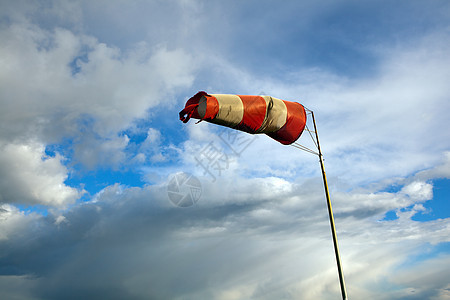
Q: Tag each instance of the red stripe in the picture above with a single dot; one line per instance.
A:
(212, 108)
(254, 113)
(295, 123)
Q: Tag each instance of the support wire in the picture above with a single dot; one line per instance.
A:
(301, 147)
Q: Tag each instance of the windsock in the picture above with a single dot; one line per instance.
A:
(282, 120)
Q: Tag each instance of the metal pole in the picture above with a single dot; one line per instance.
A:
(330, 214)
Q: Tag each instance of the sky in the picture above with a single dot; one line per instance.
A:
(105, 194)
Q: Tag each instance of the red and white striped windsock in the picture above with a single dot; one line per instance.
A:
(282, 120)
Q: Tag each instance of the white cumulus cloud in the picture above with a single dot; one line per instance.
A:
(29, 176)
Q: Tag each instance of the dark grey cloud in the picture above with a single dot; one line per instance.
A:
(136, 234)
(132, 242)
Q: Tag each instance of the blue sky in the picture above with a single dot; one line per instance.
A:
(90, 138)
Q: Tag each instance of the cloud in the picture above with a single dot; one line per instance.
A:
(59, 79)
(94, 152)
(70, 87)
(425, 280)
(441, 170)
(418, 191)
(235, 243)
(151, 146)
(29, 176)
(14, 221)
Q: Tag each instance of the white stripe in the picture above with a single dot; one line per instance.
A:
(231, 110)
(276, 115)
